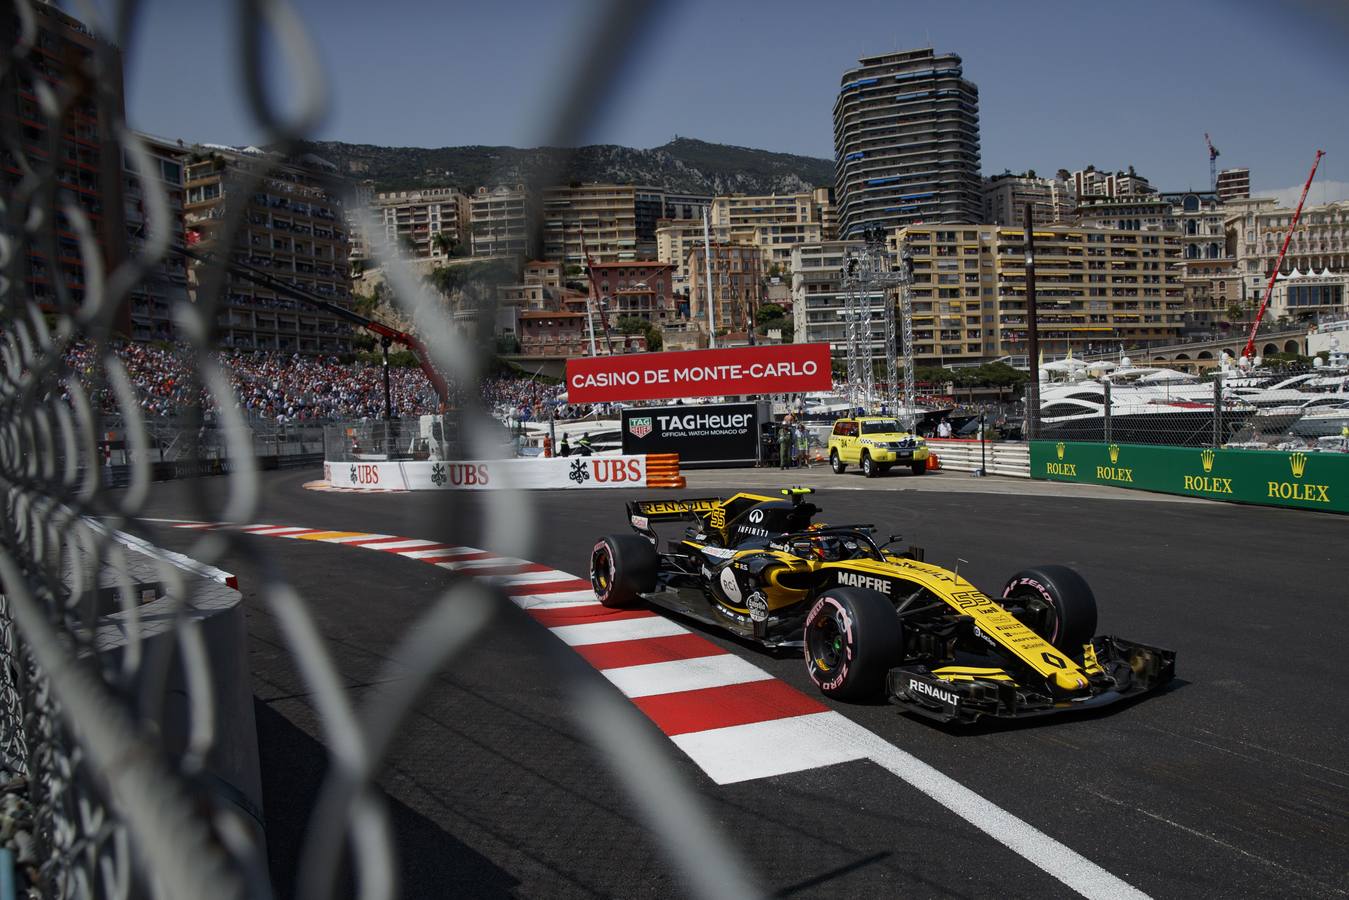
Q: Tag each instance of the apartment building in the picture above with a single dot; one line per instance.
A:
(1199, 217)
(1095, 289)
(774, 223)
(643, 289)
(685, 206)
(1212, 287)
(1123, 212)
(293, 228)
(674, 240)
(1006, 197)
(501, 221)
(541, 271)
(1306, 295)
(1090, 182)
(737, 286)
(614, 222)
(1234, 184)
(89, 165)
(164, 287)
(906, 143)
(819, 298)
(1256, 228)
(427, 223)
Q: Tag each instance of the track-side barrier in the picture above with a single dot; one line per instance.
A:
(997, 458)
(662, 471)
(1266, 477)
(647, 470)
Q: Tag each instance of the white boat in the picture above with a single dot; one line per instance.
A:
(1138, 415)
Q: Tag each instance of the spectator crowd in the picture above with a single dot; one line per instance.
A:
(283, 387)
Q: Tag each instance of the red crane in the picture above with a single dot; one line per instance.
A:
(1212, 164)
(1249, 351)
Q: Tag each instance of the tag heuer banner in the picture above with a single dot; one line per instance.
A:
(774, 369)
(699, 433)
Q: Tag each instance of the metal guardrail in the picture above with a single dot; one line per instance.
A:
(1010, 458)
(106, 808)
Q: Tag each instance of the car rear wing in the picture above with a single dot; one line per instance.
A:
(642, 513)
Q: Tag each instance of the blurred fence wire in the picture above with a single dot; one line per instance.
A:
(95, 797)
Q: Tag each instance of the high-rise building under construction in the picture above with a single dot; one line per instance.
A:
(906, 143)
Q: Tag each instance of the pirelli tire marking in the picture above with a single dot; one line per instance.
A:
(1044, 595)
(830, 682)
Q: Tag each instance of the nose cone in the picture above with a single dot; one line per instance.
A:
(1070, 681)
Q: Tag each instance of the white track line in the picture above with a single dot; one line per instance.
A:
(684, 675)
(1024, 839)
(620, 630)
(280, 532)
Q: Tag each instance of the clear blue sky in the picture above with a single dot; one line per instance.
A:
(1062, 84)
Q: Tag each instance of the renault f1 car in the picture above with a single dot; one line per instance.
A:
(870, 618)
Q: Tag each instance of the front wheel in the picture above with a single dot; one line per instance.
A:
(869, 468)
(919, 468)
(622, 568)
(852, 638)
(835, 463)
(1056, 603)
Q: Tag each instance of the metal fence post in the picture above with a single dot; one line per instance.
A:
(1217, 410)
(1107, 412)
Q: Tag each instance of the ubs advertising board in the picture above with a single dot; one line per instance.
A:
(710, 433)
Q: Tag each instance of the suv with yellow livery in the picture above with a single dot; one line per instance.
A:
(875, 443)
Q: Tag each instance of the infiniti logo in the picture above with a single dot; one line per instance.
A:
(756, 515)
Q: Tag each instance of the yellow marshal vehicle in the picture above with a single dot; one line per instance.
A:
(875, 443)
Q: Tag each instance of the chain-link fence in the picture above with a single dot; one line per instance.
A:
(1286, 406)
(99, 797)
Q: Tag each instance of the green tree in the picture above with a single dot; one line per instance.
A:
(769, 312)
(631, 325)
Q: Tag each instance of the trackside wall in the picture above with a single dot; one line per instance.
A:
(1315, 480)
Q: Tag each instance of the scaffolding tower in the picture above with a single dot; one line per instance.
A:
(866, 271)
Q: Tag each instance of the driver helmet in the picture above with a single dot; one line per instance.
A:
(824, 547)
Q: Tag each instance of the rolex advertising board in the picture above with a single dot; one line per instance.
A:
(699, 433)
(1308, 480)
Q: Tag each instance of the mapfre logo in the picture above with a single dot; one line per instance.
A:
(639, 426)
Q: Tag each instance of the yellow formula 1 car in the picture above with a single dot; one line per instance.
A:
(870, 618)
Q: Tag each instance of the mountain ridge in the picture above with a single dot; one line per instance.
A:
(683, 165)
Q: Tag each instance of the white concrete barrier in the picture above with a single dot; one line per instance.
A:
(491, 474)
(1000, 458)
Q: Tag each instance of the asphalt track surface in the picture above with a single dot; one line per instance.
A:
(1232, 783)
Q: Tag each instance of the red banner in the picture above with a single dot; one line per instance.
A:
(772, 369)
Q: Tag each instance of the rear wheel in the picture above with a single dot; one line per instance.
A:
(919, 468)
(1056, 603)
(852, 639)
(622, 568)
(835, 463)
(869, 468)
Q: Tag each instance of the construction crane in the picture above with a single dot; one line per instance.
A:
(1212, 164)
(1249, 350)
